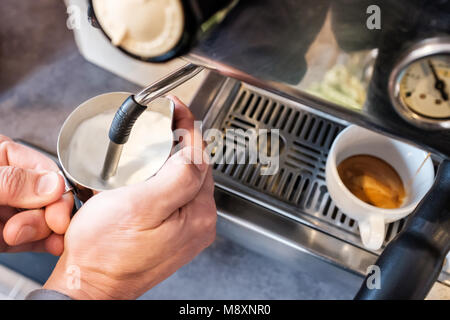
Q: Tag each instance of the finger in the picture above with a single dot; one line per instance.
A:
(15, 154)
(182, 117)
(208, 186)
(201, 212)
(57, 214)
(38, 246)
(54, 244)
(4, 138)
(186, 131)
(176, 184)
(205, 197)
(26, 227)
(180, 180)
(25, 188)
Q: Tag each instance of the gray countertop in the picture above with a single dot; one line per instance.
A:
(42, 79)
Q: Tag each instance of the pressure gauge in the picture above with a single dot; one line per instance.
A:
(419, 85)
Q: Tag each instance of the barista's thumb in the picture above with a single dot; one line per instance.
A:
(175, 185)
(29, 189)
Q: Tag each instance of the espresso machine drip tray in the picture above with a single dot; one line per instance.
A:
(298, 190)
(292, 208)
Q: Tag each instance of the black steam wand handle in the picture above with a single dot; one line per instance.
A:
(119, 132)
(124, 120)
(133, 107)
(411, 263)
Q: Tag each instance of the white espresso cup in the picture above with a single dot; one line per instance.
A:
(404, 158)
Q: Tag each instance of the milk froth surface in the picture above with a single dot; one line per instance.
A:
(143, 155)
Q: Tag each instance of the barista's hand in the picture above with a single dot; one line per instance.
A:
(124, 241)
(29, 180)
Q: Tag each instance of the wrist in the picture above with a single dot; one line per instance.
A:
(79, 283)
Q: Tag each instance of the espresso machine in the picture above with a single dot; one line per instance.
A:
(309, 69)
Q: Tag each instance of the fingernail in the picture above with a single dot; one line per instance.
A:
(47, 183)
(25, 234)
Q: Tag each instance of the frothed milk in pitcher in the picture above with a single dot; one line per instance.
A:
(143, 155)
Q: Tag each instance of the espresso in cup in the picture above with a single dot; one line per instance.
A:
(373, 181)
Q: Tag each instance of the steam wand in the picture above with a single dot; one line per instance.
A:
(132, 108)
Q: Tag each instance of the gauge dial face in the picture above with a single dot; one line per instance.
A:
(425, 87)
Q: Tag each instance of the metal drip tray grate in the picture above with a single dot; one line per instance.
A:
(298, 190)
